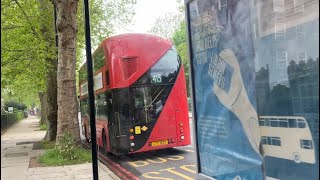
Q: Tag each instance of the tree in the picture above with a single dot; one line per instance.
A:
(28, 53)
(23, 50)
(66, 74)
(180, 41)
(49, 97)
(165, 25)
(172, 26)
(103, 22)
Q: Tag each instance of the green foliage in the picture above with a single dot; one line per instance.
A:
(43, 127)
(180, 40)
(52, 157)
(9, 119)
(15, 105)
(165, 25)
(105, 18)
(67, 147)
(24, 48)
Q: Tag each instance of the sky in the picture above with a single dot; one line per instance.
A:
(147, 12)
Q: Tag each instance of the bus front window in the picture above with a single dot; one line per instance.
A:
(301, 124)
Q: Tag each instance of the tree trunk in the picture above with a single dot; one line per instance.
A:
(43, 116)
(51, 101)
(66, 75)
(51, 107)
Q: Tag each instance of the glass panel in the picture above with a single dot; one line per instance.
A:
(276, 141)
(148, 102)
(261, 122)
(165, 71)
(264, 140)
(83, 73)
(269, 140)
(267, 122)
(306, 144)
(292, 123)
(274, 123)
(84, 107)
(283, 123)
(98, 59)
(301, 124)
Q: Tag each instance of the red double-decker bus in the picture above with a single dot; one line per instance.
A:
(140, 95)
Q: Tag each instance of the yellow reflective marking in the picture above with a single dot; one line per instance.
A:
(138, 163)
(147, 175)
(144, 128)
(177, 173)
(138, 129)
(175, 158)
(162, 160)
(187, 169)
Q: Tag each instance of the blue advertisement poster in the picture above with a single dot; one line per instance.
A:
(228, 134)
(255, 86)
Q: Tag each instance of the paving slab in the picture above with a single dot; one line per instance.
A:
(16, 151)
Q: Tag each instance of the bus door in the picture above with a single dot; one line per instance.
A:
(119, 122)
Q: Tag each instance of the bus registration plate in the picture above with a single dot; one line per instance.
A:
(159, 143)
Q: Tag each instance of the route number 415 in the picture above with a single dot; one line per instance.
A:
(156, 78)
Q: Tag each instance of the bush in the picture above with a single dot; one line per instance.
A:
(10, 118)
(66, 153)
(15, 105)
(67, 147)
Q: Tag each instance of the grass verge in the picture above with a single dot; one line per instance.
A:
(52, 157)
(48, 144)
(43, 127)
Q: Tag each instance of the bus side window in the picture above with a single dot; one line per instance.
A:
(306, 144)
(264, 140)
(269, 140)
(267, 123)
(275, 141)
(301, 124)
(261, 122)
(283, 123)
(292, 123)
(274, 122)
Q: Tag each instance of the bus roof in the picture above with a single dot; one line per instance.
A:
(129, 56)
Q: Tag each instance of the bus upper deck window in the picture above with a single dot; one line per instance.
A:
(274, 122)
(261, 122)
(292, 123)
(301, 124)
(283, 123)
(267, 122)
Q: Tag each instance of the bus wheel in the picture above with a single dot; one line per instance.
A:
(296, 157)
(104, 142)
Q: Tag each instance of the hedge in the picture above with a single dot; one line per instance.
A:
(10, 118)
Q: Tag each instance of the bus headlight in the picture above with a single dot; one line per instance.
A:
(132, 144)
(182, 137)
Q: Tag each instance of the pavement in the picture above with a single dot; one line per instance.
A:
(16, 151)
